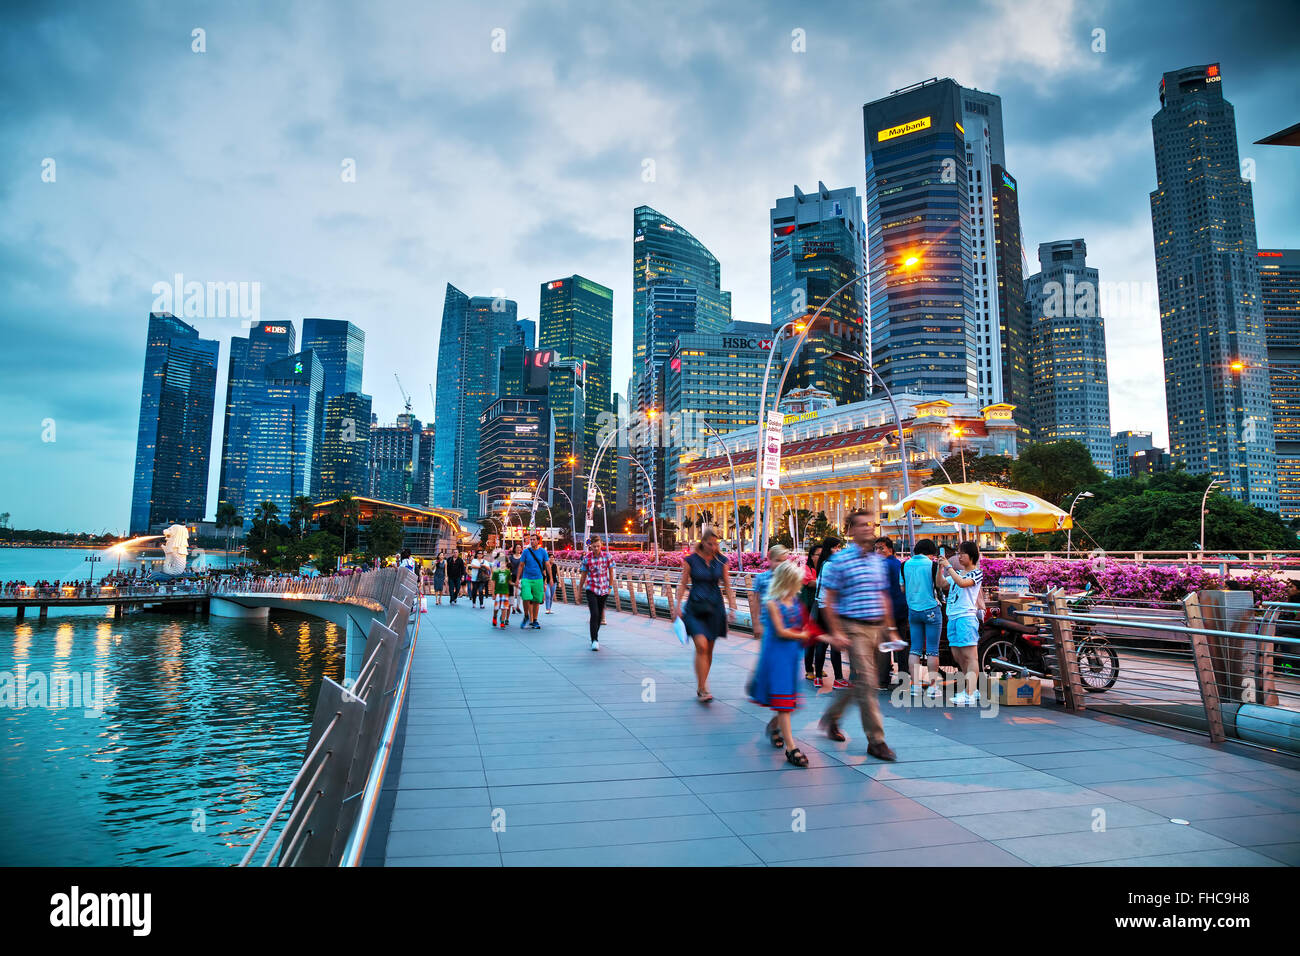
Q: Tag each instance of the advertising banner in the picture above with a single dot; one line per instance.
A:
(771, 470)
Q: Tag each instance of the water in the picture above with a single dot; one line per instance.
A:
(203, 725)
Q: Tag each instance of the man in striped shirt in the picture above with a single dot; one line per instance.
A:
(857, 609)
(595, 575)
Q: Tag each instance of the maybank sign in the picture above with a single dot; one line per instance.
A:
(896, 131)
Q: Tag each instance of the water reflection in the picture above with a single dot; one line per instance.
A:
(204, 726)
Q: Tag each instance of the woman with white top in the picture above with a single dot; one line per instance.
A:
(963, 586)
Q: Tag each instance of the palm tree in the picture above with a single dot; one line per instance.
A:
(745, 516)
(346, 512)
(228, 518)
(4, 519)
(266, 513)
(300, 514)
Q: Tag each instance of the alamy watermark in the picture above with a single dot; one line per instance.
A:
(209, 300)
(60, 691)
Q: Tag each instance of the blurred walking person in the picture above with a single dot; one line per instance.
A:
(858, 615)
(705, 574)
(775, 683)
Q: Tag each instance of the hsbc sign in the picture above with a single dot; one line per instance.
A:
(744, 342)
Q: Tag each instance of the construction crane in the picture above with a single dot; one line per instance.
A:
(434, 402)
(405, 397)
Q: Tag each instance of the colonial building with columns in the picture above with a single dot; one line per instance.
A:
(840, 459)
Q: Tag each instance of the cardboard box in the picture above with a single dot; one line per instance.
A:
(1017, 691)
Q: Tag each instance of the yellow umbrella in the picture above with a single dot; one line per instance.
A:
(974, 503)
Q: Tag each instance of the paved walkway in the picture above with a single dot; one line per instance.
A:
(606, 758)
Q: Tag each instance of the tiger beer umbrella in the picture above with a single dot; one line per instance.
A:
(974, 502)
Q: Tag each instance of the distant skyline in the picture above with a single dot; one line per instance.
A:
(501, 170)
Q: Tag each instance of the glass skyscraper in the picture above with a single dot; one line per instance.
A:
(473, 332)
(1013, 320)
(266, 342)
(1211, 316)
(576, 320)
(819, 243)
(340, 348)
(1279, 284)
(174, 437)
(395, 459)
(285, 424)
(346, 454)
(1068, 351)
(663, 249)
(918, 204)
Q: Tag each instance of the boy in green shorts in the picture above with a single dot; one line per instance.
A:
(501, 592)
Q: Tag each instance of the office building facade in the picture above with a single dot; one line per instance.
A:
(395, 459)
(1013, 319)
(1124, 445)
(287, 421)
(345, 456)
(265, 343)
(984, 259)
(1279, 284)
(174, 435)
(918, 204)
(473, 331)
(1211, 315)
(819, 245)
(512, 457)
(1068, 351)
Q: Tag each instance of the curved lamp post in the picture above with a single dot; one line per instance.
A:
(735, 500)
(1204, 498)
(1069, 534)
(591, 480)
(760, 513)
(650, 489)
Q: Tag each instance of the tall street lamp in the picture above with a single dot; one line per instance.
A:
(957, 432)
(650, 488)
(803, 326)
(1208, 488)
(735, 500)
(591, 480)
(1069, 534)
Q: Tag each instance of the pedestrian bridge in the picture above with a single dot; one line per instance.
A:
(525, 748)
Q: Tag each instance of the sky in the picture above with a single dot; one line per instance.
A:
(352, 159)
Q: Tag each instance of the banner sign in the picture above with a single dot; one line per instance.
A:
(771, 469)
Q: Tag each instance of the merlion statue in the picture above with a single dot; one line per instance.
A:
(175, 549)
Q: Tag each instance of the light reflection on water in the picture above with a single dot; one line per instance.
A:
(204, 725)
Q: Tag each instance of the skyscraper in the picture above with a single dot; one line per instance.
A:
(576, 320)
(395, 459)
(177, 400)
(473, 332)
(980, 187)
(1013, 320)
(340, 348)
(266, 342)
(1211, 316)
(819, 244)
(1279, 283)
(1068, 351)
(345, 458)
(286, 422)
(663, 249)
(918, 204)
(527, 333)
(1124, 445)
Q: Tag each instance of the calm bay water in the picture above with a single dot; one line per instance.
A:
(202, 727)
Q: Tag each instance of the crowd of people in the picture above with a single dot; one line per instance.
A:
(853, 600)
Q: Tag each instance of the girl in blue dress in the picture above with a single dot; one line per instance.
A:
(776, 678)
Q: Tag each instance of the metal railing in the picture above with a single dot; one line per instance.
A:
(334, 795)
(1220, 668)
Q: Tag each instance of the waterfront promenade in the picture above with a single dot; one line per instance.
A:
(526, 748)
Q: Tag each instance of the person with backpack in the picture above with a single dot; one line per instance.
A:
(924, 617)
(530, 576)
(455, 574)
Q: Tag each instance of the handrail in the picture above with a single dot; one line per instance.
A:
(1145, 625)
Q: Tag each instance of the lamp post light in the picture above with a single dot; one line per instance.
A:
(803, 325)
(650, 488)
(957, 432)
(573, 530)
(1069, 534)
(93, 559)
(591, 479)
(735, 500)
(604, 511)
(1205, 497)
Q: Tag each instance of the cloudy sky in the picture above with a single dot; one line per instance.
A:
(501, 168)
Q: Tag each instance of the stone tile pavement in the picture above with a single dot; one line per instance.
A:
(525, 748)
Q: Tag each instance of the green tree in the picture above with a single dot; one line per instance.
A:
(345, 514)
(228, 519)
(384, 535)
(320, 548)
(990, 469)
(745, 517)
(818, 527)
(300, 515)
(1055, 470)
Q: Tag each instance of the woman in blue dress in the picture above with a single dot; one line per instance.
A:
(705, 574)
(775, 682)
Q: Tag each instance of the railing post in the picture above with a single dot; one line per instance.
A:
(650, 597)
(1067, 659)
(1205, 677)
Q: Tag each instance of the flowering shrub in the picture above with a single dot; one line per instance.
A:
(1150, 582)
(668, 560)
